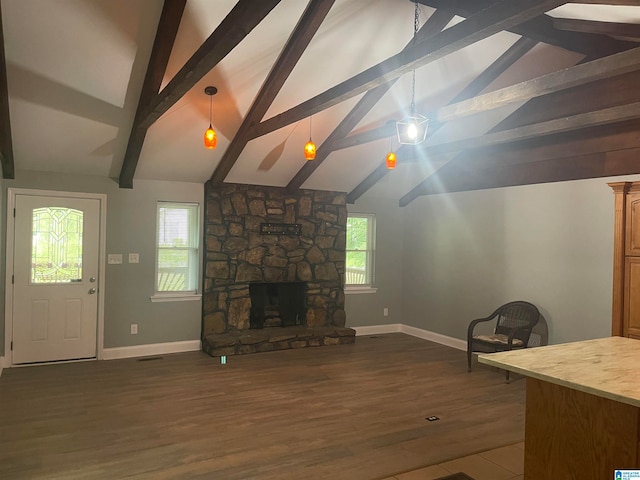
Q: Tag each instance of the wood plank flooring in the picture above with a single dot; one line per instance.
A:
(340, 412)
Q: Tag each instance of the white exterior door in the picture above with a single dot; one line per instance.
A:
(55, 285)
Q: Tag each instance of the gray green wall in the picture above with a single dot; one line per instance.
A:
(131, 228)
(467, 253)
(440, 261)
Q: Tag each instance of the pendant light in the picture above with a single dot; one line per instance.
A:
(310, 147)
(210, 138)
(412, 129)
(391, 158)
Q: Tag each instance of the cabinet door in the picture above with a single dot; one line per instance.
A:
(632, 298)
(632, 233)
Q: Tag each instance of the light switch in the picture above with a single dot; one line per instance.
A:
(114, 258)
(134, 258)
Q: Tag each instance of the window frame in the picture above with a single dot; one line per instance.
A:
(368, 286)
(194, 249)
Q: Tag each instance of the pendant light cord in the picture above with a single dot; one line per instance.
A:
(210, 109)
(416, 26)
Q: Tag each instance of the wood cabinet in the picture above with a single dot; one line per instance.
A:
(631, 318)
(632, 224)
(626, 260)
(592, 436)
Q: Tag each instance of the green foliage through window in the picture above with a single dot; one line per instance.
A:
(360, 248)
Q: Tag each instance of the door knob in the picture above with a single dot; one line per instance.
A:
(92, 291)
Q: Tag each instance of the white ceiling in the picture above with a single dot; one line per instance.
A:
(75, 70)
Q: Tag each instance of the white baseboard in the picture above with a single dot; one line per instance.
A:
(413, 331)
(151, 349)
(378, 329)
(435, 337)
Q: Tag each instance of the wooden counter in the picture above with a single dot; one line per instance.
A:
(583, 407)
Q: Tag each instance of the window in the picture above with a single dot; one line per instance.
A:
(360, 249)
(56, 249)
(178, 244)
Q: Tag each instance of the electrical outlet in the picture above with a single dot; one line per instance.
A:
(385, 312)
(114, 259)
(134, 258)
(134, 329)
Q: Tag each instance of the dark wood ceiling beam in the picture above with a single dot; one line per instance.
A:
(163, 43)
(482, 81)
(240, 21)
(607, 116)
(604, 116)
(522, 46)
(366, 136)
(6, 145)
(593, 96)
(606, 138)
(628, 31)
(304, 31)
(540, 28)
(581, 167)
(595, 70)
(600, 69)
(436, 22)
(500, 16)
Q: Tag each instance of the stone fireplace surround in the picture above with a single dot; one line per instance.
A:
(237, 254)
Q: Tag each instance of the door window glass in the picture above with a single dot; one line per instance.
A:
(56, 249)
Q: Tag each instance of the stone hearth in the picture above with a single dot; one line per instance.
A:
(275, 338)
(239, 253)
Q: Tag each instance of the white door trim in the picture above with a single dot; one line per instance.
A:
(8, 306)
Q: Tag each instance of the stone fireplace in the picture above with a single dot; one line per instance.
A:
(274, 269)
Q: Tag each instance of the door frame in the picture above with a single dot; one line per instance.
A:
(102, 239)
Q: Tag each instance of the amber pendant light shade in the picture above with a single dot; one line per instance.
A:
(310, 147)
(210, 137)
(391, 160)
(310, 150)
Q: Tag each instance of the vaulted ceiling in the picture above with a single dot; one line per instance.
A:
(115, 88)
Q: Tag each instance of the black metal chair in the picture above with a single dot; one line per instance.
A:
(514, 323)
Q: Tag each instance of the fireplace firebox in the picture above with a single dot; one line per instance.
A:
(277, 304)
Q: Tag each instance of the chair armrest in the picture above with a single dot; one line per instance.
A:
(475, 322)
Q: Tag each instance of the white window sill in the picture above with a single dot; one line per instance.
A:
(353, 289)
(186, 297)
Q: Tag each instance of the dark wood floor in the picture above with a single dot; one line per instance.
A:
(339, 412)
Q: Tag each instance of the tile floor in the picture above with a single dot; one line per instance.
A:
(505, 463)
